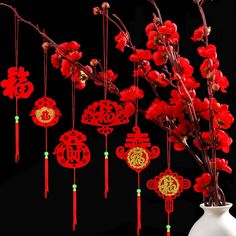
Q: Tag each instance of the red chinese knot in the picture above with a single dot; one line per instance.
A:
(45, 113)
(105, 113)
(16, 85)
(168, 184)
(72, 152)
(137, 155)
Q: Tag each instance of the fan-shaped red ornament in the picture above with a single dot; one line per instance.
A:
(105, 114)
(168, 185)
(45, 113)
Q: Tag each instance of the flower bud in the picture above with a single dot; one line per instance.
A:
(45, 46)
(96, 11)
(215, 87)
(105, 5)
(94, 62)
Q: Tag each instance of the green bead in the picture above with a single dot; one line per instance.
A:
(138, 190)
(74, 186)
(46, 153)
(106, 153)
(168, 227)
(17, 117)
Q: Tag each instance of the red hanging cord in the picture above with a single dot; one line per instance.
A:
(139, 223)
(46, 162)
(74, 187)
(17, 132)
(169, 203)
(106, 171)
(46, 166)
(105, 66)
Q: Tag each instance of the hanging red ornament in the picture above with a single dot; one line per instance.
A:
(71, 152)
(105, 114)
(138, 157)
(45, 113)
(168, 185)
(17, 86)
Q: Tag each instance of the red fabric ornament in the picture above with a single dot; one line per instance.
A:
(168, 185)
(45, 113)
(138, 157)
(104, 114)
(16, 86)
(71, 152)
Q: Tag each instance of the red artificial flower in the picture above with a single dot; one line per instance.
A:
(207, 52)
(169, 30)
(160, 57)
(121, 40)
(184, 68)
(131, 94)
(198, 34)
(129, 108)
(156, 110)
(143, 68)
(154, 39)
(201, 108)
(56, 61)
(203, 184)
(207, 66)
(223, 141)
(223, 120)
(140, 55)
(221, 165)
(221, 81)
(150, 27)
(65, 54)
(182, 131)
(158, 78)
(111, 77)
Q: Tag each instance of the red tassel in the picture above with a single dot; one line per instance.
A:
(106, 167)
(168, 233)
(74, 207)
(138, 211)
(17, 152)
(46, 183)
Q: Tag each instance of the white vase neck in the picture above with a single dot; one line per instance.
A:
(216, 209)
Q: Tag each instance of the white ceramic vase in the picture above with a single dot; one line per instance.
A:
(215, 221)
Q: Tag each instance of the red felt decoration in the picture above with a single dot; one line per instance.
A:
(45, 113)
(71, 152)
(104, 114)
(168, 185)
(16, 85)
(137, 156)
